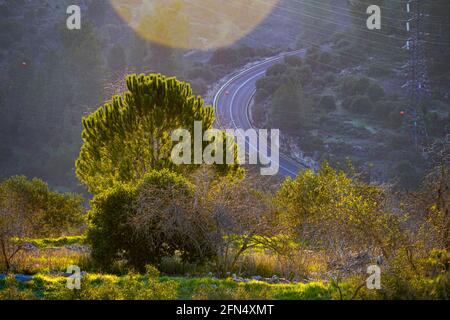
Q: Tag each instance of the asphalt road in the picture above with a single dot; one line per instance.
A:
(232, 101)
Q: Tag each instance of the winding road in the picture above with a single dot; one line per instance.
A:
(232, 101)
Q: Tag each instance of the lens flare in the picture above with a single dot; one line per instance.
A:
(193, 24)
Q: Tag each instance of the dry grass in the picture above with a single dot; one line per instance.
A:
(298, 265)
(46, 260)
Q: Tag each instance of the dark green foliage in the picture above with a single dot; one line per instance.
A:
(289, 72)
(318, 83)
(142, 224)
(395, 118)
(375, 92)
(305, 75)
(163, 59)
(329, 78)
(437, 125)
(379, 69)
(358, 104)
(389, 112)
(203, 73)
(109, 232)
(289, 110)
(312, 144)
(276, 70)
(327, 103)
(312, 57)
(266, 86)
(352, 86)
(293, 60)
(432, 282)
(405, 173)
(199, 87)
(225, 56)
(235, 56)
(325, 59)
(383, 108)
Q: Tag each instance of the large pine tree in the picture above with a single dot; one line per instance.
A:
(131, 135)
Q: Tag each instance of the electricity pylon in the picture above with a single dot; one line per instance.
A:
(418, 83)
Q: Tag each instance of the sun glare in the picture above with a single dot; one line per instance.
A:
(193, 24)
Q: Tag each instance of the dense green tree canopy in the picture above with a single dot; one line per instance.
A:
(130, 135)
(290, 109)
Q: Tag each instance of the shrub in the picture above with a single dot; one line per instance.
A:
(289, 110)
(143, 224)
(375, 92)
(277, 69)
(383, 108)
(266, 86)
(346, 212)
(167, 220)
(312, 57)
(352, 86)
(416, 277)
(224, 56)
(199, 87)
(109, 233)
(294, 61)
(359, 104)
(329, 78)
(318, 83)
(327, 103)
(398, 141)
(436, 124)
(379, 69)
(305, 75)
(201, 73)
(405, 173)
(395, 119)
(325, 58)
(312, 144)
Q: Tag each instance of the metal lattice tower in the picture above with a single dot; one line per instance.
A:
(418, 83)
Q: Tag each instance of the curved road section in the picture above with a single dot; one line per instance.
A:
(232, 101)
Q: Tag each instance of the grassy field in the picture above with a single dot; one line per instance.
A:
(149, 287)
(51, 257)
(56, 242)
